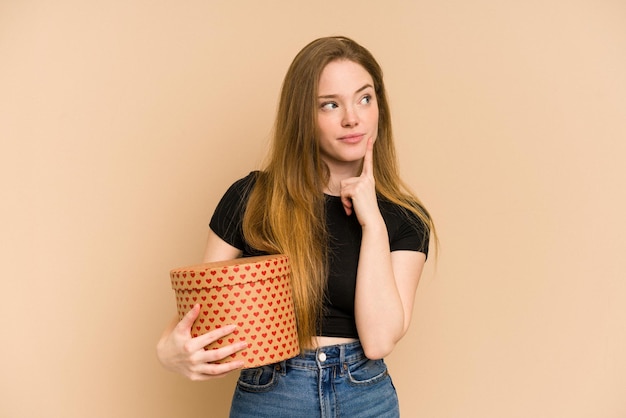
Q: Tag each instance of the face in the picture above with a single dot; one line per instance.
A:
(347, 115)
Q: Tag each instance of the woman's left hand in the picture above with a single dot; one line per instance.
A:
(358, 194)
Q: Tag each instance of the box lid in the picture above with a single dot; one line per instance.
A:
(238, 271)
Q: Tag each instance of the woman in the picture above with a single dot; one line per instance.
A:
(330, 197)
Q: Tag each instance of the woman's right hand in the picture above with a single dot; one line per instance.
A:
(181, 353)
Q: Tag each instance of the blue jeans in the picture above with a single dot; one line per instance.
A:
(333, 381)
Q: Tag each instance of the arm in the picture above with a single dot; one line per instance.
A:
(181, 353)
(385, 292)
(386, 282)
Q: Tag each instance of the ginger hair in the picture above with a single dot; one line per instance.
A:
(286, 210)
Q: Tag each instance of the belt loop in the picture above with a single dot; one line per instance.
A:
(281, 367)
(342, 359)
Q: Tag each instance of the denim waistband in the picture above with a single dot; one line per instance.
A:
(328, 356)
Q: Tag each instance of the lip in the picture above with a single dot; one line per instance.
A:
(352, 138)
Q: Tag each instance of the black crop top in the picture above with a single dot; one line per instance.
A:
(338, 319)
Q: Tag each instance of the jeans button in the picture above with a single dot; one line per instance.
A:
(321, 356)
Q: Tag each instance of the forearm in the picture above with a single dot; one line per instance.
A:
(378, 306)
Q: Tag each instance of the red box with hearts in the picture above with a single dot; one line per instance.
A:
(254, 293)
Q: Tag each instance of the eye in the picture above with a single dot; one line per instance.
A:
(328, 105)
(367, 99)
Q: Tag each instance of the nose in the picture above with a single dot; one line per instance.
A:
(350, 117)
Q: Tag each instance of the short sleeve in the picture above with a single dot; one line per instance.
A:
(227, 218)
(406, 230)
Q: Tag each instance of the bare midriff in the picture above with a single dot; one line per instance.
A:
(326, 341)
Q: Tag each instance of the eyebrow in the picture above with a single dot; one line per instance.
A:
(332, 96)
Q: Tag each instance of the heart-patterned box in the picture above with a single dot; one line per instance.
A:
(254, 293)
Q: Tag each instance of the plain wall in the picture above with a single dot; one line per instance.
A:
(123, 122)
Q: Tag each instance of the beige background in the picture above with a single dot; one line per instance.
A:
(123, 122)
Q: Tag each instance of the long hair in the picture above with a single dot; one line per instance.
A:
(286, 213)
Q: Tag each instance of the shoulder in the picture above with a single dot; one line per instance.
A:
(240, 190)
(235, 198)
(245, 184)
(397, 213)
